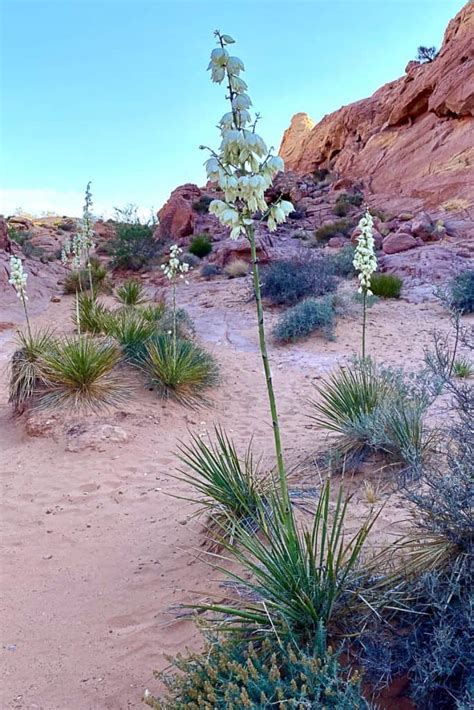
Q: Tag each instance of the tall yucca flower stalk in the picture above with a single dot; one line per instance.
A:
(174, 269)
(243, 168)
(18, 279)
(365, 262)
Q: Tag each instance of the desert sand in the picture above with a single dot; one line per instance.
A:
(97, 553)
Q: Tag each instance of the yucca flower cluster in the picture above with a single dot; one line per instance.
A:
(18, 277)
(81, 244)
(365, 261)
(174, 266)
(243, 167)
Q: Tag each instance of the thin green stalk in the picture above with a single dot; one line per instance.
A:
(26, 315)
(174, 323)
(78, 316)
(364, 321)
(250, 232)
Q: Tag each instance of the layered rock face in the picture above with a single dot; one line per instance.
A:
(413, 138)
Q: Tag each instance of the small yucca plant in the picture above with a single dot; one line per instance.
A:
(153, 312)
(132, 331)
(93, 316)
(81, 279)
(80, 374)
(463, 369)
(179, 369)
(131, 293)
(231, 488)
(27, 377)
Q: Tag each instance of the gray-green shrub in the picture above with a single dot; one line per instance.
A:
(307, 317)
(287, 281)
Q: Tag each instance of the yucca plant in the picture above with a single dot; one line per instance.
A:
(153, 312)
(293, 579)
(231, 488)
(463, 368)
(179, 369)
(81, 279)
(132, 331)
(93, 315)
(27, 377)
(80, 374)
(131, 293)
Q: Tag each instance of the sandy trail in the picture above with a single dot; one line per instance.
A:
(95, 553)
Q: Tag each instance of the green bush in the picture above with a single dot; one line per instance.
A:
(132, 331)
(341, 208)
(133, 246)
(461, 291)
(181, 374)
(463, 368)
(342, 227)
(288, 281)
(79, 280)
(386, 285)
(305, 318)
(200, 245)
(343, 261)
(94, 316)
(371, 408)
(80, 373)
(263, 674)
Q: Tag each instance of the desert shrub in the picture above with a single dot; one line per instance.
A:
(288, 281)
(298, 213)
(200, 245)
(201, 206)
(79, 280)
(191, 259)
(132, 331)
(461, 291)
(182, 373)
(463, 368)
(94, 316)
(426, 54)
(26, 370)
(133, 246)
(208, 271)
(236, 268)
(305, 318)
(229, 487)
(263, 674)
(386, 285)
(382, 216)
(131, 293)
(342, 227)
(18, 236)
(321, 174)
(80, 373)
(291, 579)
(184, 323)
(342, 261)
(341, 208)
(371, 408)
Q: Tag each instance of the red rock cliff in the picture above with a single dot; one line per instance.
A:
(414, 137)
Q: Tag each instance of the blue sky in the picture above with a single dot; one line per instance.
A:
(116, 91)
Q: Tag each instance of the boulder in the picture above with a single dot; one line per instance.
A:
(395, 243)
(230, 249)
(176, 217)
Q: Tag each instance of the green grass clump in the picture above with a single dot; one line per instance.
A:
(132, 331)
(200, 245)
(131, 293)
(153, 312)
(80, 374)
(230, 488)
(94, 316)
(463, 368)
(307, 317)
(79, 279)
(341, 227)
(386, 285)
(373, 409)
(27, 376)
(461, 291)
(260, 674)
(182, 373)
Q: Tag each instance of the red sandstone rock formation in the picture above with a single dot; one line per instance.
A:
(412, 138)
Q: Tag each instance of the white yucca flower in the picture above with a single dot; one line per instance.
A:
(365, 261)
(174, 266)
(18, 277)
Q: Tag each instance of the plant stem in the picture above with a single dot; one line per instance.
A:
(174, 323)
(364, 321)
(250, 232)
(78, 317)
(26, 315)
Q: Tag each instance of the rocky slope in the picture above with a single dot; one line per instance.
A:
(413, 138)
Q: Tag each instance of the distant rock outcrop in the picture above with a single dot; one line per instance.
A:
(412, 138)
